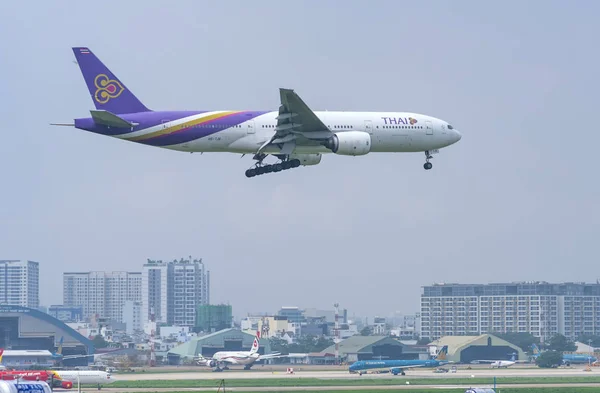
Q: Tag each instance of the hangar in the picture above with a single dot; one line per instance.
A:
(467, 349)
(223, 340)
(23, 328)
(356, 348)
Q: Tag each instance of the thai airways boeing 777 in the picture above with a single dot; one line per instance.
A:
(294, 134)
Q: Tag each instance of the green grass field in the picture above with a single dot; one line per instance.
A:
(295, 381)
(565, 389)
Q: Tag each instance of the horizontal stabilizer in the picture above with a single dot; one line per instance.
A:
(110, 119)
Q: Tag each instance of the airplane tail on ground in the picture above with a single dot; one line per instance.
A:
(256, 343)
(442, 354)
(1, 353)
(535, 349)
(107, 91)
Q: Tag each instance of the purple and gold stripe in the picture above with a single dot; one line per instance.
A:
(190, 133)
(182, 127)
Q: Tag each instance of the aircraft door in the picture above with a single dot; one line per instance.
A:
(429, 128)
(250, 126)
(369, 126)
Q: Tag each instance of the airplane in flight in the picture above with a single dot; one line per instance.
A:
(398, 366)
(294, 134)
(222, 359)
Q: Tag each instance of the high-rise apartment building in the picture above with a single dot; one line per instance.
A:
(101, 293)
(20, 283)
(156, 287)
(174, 290)
(540, 308)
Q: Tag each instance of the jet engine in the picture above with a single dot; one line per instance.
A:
(307, 159)
(66, 384)
(350, 143)
(211, 363)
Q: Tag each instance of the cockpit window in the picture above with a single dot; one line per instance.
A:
(450, 127)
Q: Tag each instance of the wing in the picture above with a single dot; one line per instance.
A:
(297, 124)
(228, 360)
(272, 356)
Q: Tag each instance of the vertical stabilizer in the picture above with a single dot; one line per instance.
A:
(256, 343)
(107, 91)
(442, 354)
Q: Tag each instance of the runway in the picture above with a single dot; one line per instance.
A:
(412, 374)
(333, 388)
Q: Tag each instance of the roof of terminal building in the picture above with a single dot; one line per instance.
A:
(458, 343)
(8, 309)
(358, 344)
(194, 346)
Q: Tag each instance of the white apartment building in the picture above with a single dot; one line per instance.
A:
(155, 290)
(101, 293)
(173, 290)
(20, 283)
(132, 316)
(539, 308)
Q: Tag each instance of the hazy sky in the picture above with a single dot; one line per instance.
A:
(516, 199)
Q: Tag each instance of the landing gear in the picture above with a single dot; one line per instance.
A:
(261, 169)
(428, 165)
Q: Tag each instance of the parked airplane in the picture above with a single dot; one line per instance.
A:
(220, 360)
(49, 377)
(568, 358)
(294, 134)
(501, 363)
(398, 366)
(86, 377)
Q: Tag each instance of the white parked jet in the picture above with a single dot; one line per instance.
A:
(294, 134)
(222, 359)
(86, 377)
(501, 363)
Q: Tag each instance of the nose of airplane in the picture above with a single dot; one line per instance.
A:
(456, 136)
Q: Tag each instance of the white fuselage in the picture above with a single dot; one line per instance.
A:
(502, 363)
(242, 358)
(86, 377)
(389, 132)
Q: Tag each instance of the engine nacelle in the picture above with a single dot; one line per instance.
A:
(66, 384)
(211, 363)
(307, 159)
(350, 143)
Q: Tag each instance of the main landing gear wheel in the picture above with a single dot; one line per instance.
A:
(280, 166)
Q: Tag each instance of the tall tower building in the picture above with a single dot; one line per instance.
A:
(20, 283)
(101, 293)
(174, 290)
(155, 290)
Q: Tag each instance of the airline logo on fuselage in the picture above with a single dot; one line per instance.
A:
(399, 120)
(106, 88)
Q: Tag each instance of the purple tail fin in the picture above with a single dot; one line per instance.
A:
(108, 93)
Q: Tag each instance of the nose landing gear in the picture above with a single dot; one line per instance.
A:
(428, 165)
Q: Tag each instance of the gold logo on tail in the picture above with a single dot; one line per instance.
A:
(106, 88)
